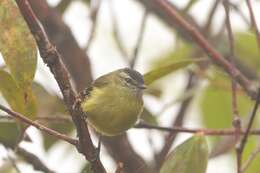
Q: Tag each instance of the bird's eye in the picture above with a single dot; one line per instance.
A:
(129, 80)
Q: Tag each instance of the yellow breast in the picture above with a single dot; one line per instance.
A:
(112, 110)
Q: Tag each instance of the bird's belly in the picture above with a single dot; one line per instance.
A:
(113, 115)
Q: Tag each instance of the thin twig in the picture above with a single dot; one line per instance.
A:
(239, 12)
(94, 9)
(52, 58)
(189, 5)
(34, 160)
(139, 39)
(242, 144)
(55, 119)
(12, 161)
(206, 132)
(116, 34)
(49, 119)
(209, 21)
(251, 158)
(253, 22)
(47, 130)
(236, 119)
(206, 46)
(169, 139)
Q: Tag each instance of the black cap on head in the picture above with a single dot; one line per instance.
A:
(134, 75)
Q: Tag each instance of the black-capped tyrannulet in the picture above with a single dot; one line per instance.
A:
(114, 101)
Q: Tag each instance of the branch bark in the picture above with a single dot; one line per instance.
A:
(52, 58)
(189, 31)
(207, 132)
(169, 139)
(33, 160)
(26, 120)
(60, 35)
(79, 68)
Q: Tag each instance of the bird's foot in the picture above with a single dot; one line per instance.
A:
(96, 154)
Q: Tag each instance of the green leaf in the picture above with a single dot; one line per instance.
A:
(189, 157)
(182, 52)
(162, 71)
(9, 133)
(55, 108)
(216, 103)
(247, 50)
(251, 144)
(19, 100)
(17, 44)
(11, 92)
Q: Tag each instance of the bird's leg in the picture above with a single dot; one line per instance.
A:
(98, 149)
(99, 143)
(79, 98)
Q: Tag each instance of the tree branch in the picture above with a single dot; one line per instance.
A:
(242, 144)
(60, 34)
(139, 39)
(208, 49)
(207, 132)
(52, 58)
(250, 158)
(33, 160)
(26, 120)
(169, 139)
(94, 9)
(253, 22)
(236, 119)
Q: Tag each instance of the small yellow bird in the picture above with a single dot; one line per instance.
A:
(114, 102)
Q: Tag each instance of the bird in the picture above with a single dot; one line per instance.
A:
(114, 101)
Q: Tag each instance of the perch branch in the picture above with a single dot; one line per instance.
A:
(47, 130)
(207, 132)
(242, 144)
(52, 58)
(165, 8)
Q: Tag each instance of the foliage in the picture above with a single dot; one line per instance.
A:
(190, 156)
(22, 94)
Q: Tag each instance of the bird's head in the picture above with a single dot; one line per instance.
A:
(130, 78)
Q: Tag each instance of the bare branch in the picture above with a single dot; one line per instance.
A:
(94, 9)
(253, 22)
(250, 158)
(175, 18)
(207, 132)
(242, 144)
(209, 21)
(26, 120)
(139, 38)
(236, 119)
(169, 139)
(12, 161)
(116, 34)
(33, 160)
(52, 58)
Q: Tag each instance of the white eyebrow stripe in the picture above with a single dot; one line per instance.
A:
(125, 75)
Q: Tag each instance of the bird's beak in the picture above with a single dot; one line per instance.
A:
(142, 86)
